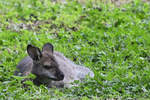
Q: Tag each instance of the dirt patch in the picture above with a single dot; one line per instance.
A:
(115, 2)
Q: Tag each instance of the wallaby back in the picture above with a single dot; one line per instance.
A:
(25, 66)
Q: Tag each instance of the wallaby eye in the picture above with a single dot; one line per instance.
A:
(47, 67)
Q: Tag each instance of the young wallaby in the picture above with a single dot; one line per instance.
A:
(50, 67)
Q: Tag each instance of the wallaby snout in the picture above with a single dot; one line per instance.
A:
(60, 75)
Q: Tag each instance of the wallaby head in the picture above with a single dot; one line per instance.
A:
(44, 63)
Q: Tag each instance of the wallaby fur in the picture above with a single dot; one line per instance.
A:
(60, 72)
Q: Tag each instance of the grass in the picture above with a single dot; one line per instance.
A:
(113, 42)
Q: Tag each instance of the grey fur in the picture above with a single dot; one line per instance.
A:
(70, 70)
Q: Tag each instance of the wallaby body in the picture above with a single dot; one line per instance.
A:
(66, 67)
(71, 70)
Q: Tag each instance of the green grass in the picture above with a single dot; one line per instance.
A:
(113, 42)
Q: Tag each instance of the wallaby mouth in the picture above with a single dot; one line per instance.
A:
(43, 79)
(55, 79)
(58, 77)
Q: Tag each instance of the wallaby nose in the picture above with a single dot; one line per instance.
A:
(61, 76)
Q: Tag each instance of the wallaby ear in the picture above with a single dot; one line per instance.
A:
(34, 52)
(48, 47)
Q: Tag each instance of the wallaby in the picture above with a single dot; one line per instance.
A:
(50, 67)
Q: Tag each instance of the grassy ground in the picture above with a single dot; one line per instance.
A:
(113, 42)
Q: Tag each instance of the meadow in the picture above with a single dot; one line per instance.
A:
(114, 42)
